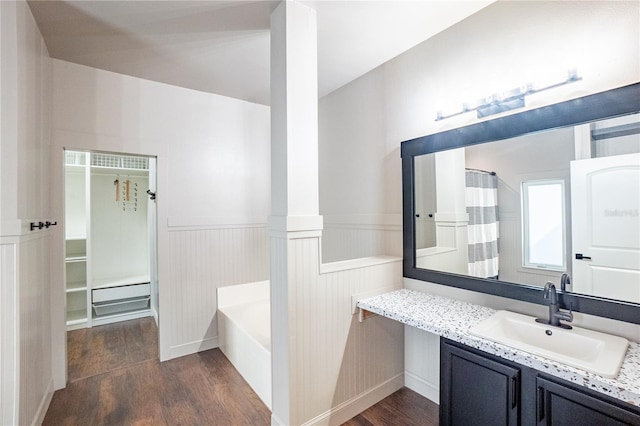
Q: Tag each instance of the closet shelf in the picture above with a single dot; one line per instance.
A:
(76, 287)
(118, 282)
(75, 259)
(76, 317)
(123, 171)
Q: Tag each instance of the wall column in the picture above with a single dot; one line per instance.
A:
(295, 225)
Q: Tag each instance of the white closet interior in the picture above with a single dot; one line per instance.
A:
(109, 238)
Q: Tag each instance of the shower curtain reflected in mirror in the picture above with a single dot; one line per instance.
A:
(482, 230)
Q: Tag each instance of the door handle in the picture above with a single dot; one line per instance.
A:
(541, 407)
(514, 391)
(580, 256)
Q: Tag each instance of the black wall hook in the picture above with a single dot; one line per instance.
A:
(40, 225)
(152, 195)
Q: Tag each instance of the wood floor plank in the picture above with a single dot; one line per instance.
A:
(74, 405)
(143, 383)
(96, 350)
(120, 381)
(177, 392)
(404, 407)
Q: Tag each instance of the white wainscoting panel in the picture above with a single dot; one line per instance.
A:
(280, 372)
(25, 360)
(9, 353)
(334, 361)
(203, 258)
(35, 328)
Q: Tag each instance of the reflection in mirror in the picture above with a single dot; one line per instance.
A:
(530, 209)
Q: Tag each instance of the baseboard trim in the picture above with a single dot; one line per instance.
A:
(421, 386)
(155, 316)
(192, 347)
(44, 405)
(275, 421)
(354, 406)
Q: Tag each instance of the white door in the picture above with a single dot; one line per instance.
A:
(605, 205)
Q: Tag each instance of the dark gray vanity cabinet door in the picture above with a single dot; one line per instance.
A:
(477, 390)
(559, 404)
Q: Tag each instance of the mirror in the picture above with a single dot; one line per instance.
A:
(506, 205)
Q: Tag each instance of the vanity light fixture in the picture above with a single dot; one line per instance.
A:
(507, 100)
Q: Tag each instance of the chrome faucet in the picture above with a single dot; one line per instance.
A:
(555, 314)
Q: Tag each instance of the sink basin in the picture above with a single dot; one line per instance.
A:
(589, 350)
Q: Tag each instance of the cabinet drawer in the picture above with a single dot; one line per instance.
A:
(122, 292)
(108, 308)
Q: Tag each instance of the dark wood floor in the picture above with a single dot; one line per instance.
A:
(97, 350)
(116, 379)
(404, 407)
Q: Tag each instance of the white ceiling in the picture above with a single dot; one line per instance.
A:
(223, 46)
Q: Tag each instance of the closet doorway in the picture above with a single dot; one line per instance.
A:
(110, 242)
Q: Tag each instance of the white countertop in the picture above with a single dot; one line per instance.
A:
(452, 319)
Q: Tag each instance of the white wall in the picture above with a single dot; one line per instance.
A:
(213, 185)
(359, 166)
(503, 45)
(25, 281)
(119, 237)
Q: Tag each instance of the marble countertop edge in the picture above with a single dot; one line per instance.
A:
(452, 319)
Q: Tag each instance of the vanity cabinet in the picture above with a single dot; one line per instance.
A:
(477, 389)
(480, 388)
(564, 404)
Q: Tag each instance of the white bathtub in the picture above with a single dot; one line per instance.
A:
(244, 333)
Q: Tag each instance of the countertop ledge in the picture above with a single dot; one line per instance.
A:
(452, 319)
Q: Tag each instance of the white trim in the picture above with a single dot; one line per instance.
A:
(275, 421)
(293, 235)
(295, 223)
(431, 391)
(354, 406)
(363, 226)
(215, 222)
(154, 314)
(23, 238)
(121, 317)
(526, 222)
(44, 405)
(364, 262)
(430, 251)
(459, 218)
(193, 347)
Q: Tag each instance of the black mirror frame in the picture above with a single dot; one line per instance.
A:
(612, 103)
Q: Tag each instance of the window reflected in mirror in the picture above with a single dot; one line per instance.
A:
(543, 219)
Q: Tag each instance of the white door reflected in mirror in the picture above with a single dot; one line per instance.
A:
(605, 199)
